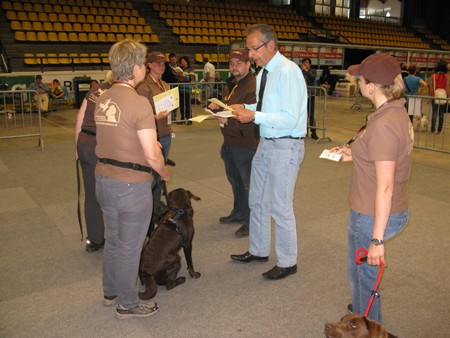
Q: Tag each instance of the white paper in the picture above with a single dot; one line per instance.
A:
(178, 70)
(332, 156)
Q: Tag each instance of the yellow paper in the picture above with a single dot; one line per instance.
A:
(167, 101)
(220, 104)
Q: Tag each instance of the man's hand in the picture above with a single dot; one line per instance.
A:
(243, 115)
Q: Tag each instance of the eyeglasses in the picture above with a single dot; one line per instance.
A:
(254, 49)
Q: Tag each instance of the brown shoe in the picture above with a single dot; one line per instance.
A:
(228, 219)
(243, 231)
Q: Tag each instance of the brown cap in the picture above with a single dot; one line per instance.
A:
(240, 54)
(156, 57)
(378, 68)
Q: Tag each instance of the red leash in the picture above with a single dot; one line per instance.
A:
(361, 257)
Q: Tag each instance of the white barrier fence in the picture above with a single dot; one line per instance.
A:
(430, 121)
(20, 115)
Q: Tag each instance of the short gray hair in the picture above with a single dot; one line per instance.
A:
(267, 32)
(123, 56)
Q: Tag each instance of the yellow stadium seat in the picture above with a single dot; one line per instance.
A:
(52, 36)
(63, 37)
(29, 59)
(102, 37)
(31, 36)
(52, 59)
(16, 26)
(64, 59)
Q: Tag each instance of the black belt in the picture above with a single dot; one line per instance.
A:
(288, 137)
(128, 165)
(93, 133)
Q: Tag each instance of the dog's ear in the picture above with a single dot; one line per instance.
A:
(192, 196)
(375, 328)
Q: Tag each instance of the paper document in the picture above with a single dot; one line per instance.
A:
(220, 104)
(332, 156)
(201, 118)
(178, 70)
(167, 101)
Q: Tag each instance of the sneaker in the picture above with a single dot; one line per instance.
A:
(109, 300)
(144, 309)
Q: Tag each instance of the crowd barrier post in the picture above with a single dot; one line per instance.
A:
(420, 109)
(317, 103)
(21, 115)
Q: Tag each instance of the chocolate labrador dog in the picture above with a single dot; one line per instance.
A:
(356, 326)
(160, 261)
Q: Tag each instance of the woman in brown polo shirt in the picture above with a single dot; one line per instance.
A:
(381, 155)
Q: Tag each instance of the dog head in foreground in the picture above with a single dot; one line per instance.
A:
(181, 199)
(356, 326)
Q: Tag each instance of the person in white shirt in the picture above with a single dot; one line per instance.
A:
(208, 75)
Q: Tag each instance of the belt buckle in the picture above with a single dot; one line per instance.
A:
(136, 166)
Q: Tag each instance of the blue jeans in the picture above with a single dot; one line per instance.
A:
(127, 209)
(362, 278)
(274, 172)
(165, 141)
(238, 165)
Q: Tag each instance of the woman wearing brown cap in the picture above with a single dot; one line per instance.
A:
(381, 153)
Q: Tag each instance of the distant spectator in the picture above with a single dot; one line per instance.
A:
(414, 86)
(57, 92)
(439, 80)
(209, 72)
(310, 74)
(93, 83)
(42, 93)
(188, 75)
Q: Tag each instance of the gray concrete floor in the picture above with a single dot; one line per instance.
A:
(51, 287)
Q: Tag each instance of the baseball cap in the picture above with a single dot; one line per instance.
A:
(378, 68)
(240, 54)
(156, 57)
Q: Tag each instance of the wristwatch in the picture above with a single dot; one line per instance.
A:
(377, 242)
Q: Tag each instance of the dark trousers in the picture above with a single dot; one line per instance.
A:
(92, 211)
(438, 109)
(185, 105)
(238, 165)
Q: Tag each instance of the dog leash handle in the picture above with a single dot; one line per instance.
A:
(361, 256)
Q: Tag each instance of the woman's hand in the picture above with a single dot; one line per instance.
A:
(162, 115)
(345, 151)
(376, 255)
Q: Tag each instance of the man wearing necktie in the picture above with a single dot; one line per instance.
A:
(281, 115)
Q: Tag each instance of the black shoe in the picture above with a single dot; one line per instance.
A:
(277, 273)
(228, 219)
(248, 257)
(92, 247)
(188, 123)
(243, 231)
(170, 162)
(314, 136)
(350, 308)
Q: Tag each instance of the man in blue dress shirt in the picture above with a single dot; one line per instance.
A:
(281, 116)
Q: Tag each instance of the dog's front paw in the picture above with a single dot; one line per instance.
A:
(194, 274)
